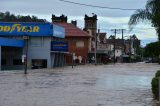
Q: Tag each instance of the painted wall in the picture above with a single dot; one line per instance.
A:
(118, 52)
(39, 48)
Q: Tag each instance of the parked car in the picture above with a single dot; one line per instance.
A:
(148, 60)
(105, 59)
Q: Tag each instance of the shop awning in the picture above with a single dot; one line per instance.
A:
(11, 42)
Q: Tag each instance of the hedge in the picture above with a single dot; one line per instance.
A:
(154, 84)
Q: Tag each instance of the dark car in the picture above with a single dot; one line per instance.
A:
(105, 59)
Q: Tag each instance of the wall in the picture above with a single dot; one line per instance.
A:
(39, 48)
(118, 52)
(79, 51)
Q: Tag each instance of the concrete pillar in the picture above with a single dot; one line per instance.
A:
(0, 58)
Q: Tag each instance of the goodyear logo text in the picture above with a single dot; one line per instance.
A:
(19, 28)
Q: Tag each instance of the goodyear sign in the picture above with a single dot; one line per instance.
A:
(30, 29)
(60, 46)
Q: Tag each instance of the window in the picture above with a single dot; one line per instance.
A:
(80, 44)
(17, 62)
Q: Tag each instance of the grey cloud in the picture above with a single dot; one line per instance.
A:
(55, 6)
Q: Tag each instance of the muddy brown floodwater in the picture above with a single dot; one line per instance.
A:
(89, 85)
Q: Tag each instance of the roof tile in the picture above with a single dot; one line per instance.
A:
(72, 31)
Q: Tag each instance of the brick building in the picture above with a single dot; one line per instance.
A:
(78, 40)
(101, 48)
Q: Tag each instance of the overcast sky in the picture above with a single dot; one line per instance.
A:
(107, 19)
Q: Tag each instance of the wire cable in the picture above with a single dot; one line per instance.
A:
(96, 6)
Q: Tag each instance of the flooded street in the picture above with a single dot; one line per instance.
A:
(89, 85)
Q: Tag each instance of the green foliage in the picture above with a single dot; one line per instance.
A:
(8, 17)
(159, 60)
(150, 13)
(152, 50)
(157, 73)
(154, 83)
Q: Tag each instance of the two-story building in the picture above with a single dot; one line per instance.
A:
(78, 40)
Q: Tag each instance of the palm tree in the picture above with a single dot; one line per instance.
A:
(150, 13)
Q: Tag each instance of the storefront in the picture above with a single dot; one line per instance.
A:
(58, 51)
(32, 41)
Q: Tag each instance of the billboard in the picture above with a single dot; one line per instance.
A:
(30, 29)
(59, 46)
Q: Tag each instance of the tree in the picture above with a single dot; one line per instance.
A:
(152, 49)
(150, 13)
(8, 17)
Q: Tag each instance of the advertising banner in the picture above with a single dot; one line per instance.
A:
(60, 46)
(28, 28)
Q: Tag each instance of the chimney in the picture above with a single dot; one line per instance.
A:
(74, 22)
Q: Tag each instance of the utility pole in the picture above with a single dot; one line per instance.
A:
(95, 52)
(115, 32)
(26, 38)
(123, 30)
(123, 38)
(123, 53)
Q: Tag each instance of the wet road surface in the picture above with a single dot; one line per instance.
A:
(89, 85)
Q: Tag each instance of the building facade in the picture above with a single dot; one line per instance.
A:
(30, 43)
(78, 40)
(124, 48)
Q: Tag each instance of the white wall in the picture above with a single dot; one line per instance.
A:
(39, 48)
(118, 52)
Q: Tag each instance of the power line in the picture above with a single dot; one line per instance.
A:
(96, 6)
(127, 31)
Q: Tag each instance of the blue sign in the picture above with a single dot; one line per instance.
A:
(58, 31)
(59, 46)
(30, 29)
(11, 42)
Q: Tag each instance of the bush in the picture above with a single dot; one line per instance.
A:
(155, 87)
(154, 83)
(159, 60)
(157, 73)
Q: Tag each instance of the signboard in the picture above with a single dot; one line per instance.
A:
(58, 31)
(11, 42)
(60, 46)
(28, 28)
